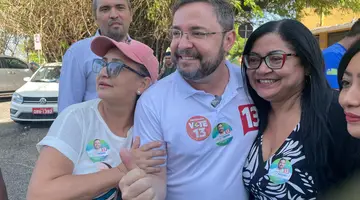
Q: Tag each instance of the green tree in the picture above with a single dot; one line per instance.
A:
(236, 52)
(62, 22)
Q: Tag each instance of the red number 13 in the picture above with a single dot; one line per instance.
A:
(249, 118)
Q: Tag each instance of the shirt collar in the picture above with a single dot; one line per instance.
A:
(97, 32)
(235, 81)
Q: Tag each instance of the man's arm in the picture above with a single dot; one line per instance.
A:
(159, 183)
(3, 193)
(147, 126)
(72, 82)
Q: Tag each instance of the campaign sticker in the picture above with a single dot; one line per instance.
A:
(198, 128)
(249, 118)
(280, 171)
(222, 134)
(97, 150)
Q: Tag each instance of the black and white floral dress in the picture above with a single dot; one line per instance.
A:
(285, 175)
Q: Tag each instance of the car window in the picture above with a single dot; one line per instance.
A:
(13, 63)
(47, 74)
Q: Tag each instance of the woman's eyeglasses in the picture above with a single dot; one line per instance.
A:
(273, 60)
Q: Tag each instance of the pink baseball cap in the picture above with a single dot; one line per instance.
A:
(134, 50)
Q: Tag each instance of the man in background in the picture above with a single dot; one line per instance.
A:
(335, 52)
(77, 80)
(168, 67)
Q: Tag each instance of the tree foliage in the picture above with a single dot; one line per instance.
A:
(8, 42)
(238, 47)
(62, 22)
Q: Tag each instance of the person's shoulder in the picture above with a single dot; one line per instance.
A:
(332, 59)
(330, 48)
(335, 49)
(80, 109)
(331, 54)
(234, 68)
(159, 90)
(81, 45)
(161, 85)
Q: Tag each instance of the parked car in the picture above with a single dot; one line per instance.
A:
(12, 73)
(37, 99)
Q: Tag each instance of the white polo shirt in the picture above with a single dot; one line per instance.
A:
(204, 159)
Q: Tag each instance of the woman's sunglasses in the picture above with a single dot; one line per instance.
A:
(113, 69)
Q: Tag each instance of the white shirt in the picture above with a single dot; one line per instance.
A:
(201, 162)
(74, 132)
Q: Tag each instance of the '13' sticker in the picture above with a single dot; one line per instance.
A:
(198, 128)
(249, 118)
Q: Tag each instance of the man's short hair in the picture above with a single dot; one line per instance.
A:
(355, 29)
(95, 4)
(222, 8)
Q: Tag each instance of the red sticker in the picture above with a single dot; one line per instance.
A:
(249, 118)
(198, 128)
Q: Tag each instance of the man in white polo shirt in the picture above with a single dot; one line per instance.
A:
(186, 109)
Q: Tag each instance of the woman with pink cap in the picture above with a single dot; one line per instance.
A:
(79, 157)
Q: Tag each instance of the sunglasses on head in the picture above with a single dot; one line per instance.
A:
(113, 68)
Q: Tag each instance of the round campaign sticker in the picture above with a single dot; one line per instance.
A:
(198, 128)
(97, 150)
(222, 134)
(280, 171)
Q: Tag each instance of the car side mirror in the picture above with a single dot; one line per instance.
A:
(26, 79)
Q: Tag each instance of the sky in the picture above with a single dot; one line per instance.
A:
(267, 17)
(18, 52)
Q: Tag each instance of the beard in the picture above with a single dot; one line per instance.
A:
(116, 35)
(206, 67)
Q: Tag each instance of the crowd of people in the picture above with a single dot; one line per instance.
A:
(198, 126)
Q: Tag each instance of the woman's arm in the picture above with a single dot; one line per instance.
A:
(52, 179)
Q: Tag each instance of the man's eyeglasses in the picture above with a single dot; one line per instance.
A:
(113, 69)
(273, 60)
(200, 35)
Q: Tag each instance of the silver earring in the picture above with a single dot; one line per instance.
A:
(138, 92)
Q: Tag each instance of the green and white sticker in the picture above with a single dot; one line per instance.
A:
(222, 134)
(280, 171)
